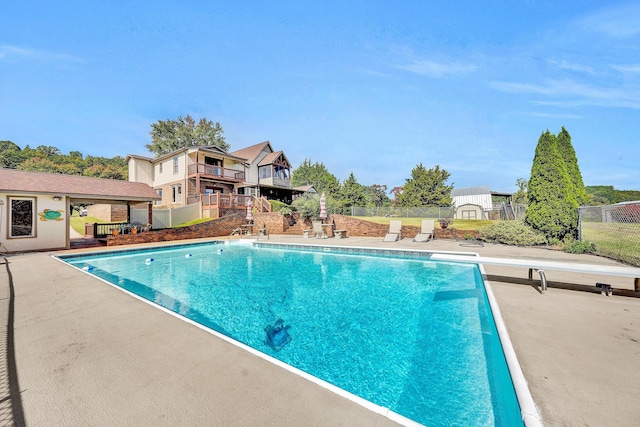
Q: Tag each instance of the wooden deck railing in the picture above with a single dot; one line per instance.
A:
(216, 171)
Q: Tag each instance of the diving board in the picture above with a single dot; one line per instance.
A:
(541, 265)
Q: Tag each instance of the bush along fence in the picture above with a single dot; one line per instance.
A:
(613, 229)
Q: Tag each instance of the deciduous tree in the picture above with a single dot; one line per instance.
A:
(377, 195)
(171, 135)
(520, 196)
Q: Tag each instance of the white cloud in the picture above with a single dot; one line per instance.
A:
(575, 93)
(555, 116)
(438, 69)
(634, 68)
(573, 67)
(618, 22)
(17, 53)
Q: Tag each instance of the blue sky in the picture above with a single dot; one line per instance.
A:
(369, 87)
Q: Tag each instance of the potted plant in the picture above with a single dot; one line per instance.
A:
(444, 222)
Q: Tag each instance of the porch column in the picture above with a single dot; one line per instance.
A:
(149, 213)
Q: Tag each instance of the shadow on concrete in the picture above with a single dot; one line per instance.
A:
(11, 411)
(560, 285)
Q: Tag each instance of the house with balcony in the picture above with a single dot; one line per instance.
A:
(268, 174)
(221, 181)
(190, 175)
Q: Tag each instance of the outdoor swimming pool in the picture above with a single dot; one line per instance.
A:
(406, 333)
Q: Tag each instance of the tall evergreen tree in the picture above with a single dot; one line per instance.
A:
(352, 193)
(426, 188)
(569, 156)
(553, 207)
(315, 174)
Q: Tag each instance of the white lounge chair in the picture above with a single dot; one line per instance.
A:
(426, 232)
(395, 231)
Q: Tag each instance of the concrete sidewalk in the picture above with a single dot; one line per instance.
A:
(89, 354)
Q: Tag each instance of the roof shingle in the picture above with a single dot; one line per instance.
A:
(12, 180)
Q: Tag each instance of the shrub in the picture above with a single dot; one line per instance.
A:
(277, 206)
(579, 247)
(308, 206)
(515, 233)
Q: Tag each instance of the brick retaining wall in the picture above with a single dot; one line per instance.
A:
(276, 223)
(216, 228)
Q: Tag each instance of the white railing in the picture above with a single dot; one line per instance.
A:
(167, 218)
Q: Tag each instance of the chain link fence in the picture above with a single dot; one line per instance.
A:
(613, 229)
(501, 211)
(416, 212)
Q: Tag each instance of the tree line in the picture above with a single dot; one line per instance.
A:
(553, 191)
(50, 159)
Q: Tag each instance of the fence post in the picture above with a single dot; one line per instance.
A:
(579, 224)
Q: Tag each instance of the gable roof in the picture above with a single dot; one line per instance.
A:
(250, 153)
(306, 188)
(273, 157)
(212, 149)
(470, 191)
(17, 181)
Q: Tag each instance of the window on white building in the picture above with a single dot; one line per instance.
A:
(22, 217)
(175, 165)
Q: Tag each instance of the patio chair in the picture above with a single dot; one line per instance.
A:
(395, 231)
(426, 232)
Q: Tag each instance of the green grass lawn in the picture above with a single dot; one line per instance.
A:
(195, 221)
(78, 222)
(615, 240)
(463, 224)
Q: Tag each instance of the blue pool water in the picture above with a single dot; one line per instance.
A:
(407, 333)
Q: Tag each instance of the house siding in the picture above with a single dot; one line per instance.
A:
(50, 234)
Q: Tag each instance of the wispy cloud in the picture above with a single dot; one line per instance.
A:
(618, 22)
(555, 116)
(633, 68)
(14, 53)
(572, 67)
(438, 69)
(574, 93)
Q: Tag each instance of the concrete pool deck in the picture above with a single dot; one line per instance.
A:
(89, 354)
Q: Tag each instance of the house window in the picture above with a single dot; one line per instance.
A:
(281, 172)
(265, 172)
(160, 168)
(176, 194)
(175, 165)
(22, 217)
(159, 202)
